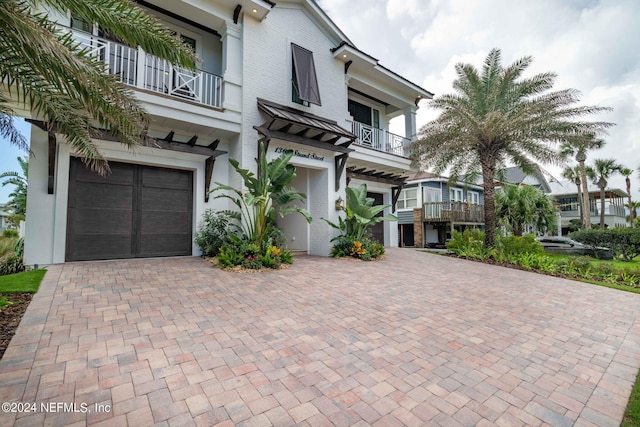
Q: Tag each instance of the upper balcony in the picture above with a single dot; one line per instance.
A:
(136, 68)
(459, 212)
(380, 139)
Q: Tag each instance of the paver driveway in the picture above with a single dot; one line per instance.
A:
(417, 339)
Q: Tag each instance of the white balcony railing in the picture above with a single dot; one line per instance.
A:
(136, 68)
(380, 139)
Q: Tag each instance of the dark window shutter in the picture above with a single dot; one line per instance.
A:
(305, 75)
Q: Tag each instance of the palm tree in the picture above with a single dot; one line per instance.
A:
(579, 148)
(18, 197)
(573, 175)
(497, 117)
(522, 206)
(67, 88)
(627, 172)
(602, 170)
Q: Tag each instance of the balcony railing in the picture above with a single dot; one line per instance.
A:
(453, 212)
(380, 139)
(136, 68)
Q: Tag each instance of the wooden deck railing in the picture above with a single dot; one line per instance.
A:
(452, 212)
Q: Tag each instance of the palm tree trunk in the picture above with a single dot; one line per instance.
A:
(581, 157)
(490, 222)
(628, 182)
(580, 206)
(602, 208)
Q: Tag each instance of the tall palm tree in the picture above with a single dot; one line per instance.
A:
(627, 172)
(573, 175)
(603, 169)
(578, 148)
(46, 72)
(18, 197)
(497, 117)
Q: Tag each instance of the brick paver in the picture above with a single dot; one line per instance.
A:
(416, 339)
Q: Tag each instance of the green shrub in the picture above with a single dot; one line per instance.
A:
(514, 245)
(9, 233)
(11, 263)
(624, 242)
(7, 245)
(365, 250)
(469, 244)
(214, 229)
(239, 252)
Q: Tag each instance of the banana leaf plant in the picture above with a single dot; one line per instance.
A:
(265, 192)
(361, 214)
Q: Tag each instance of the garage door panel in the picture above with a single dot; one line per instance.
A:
(164, 245)
(160, 222)
(121, 173)
(103, 195)
(84, 247)
(101, 221)
(166, 178)
(165, 199)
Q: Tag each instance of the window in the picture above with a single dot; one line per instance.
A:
(364, 114)
(568, 204)
(408, 199)
(81, 24)
(455, 195)
(473, 197)
(304, 78)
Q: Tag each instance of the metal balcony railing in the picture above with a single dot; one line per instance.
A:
(380, 139)
(135, 67)
(453, 212)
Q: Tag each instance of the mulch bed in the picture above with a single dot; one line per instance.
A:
(10, 316)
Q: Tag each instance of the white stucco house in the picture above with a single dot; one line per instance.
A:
(281, 72)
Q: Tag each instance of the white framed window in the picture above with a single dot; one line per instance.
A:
(473, 197)
(408, 199)
(456, 194)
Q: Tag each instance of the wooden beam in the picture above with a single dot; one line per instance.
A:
(208, 173)
(303, 132)
(356, 174)
(214, 144)
(236, 13)
(395, 194)
(340, 163)
(52, 161)
(319, 136)
(185, 148)
(274, 134)
(286, 127)
(193, 140)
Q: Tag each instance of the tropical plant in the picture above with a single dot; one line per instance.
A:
(579, 147)
(43, 68)
(18, 197)
(267, 192)
(627, 172)
(498, 116)
(361, 214)
(214, 230)
(522, 206)
(573, 175)
(602, 170)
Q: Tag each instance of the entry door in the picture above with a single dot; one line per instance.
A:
(136, 211)
(377, 231)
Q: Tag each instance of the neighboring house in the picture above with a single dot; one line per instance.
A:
(282, 72)
(567, 198)
(4, 218)
(515, 175)
(430, 207)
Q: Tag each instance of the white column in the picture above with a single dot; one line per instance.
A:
(232, 66)
(410, 122)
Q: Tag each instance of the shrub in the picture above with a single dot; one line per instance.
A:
(7, 245)
(214, 229)
(365, 250)
(239, 252)
(468, 244)
(511, 246)
(9, 233)
(624, 242)
(11, 263)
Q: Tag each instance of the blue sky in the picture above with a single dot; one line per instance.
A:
(8, 157)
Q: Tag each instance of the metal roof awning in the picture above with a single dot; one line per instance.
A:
(304, 128)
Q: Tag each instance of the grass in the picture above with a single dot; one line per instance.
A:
(632, 413)
(631, 266)
(25, 282)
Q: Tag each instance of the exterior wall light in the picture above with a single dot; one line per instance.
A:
(339, 204)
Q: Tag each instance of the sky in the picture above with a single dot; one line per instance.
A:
(8, 158)
(592, 45)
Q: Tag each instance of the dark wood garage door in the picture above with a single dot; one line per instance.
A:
(136, 211)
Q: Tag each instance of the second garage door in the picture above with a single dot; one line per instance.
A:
(136, 211)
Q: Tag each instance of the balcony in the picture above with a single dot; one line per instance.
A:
(380, 139)
(136, 68)
(458, 212)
